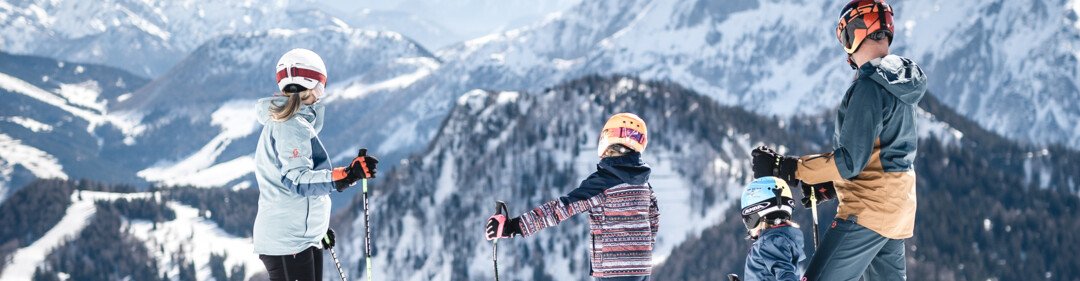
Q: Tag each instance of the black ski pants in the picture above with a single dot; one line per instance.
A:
(306, 265)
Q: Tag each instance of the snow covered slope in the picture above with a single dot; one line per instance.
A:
(26, 259)
(530, 148)
(190, 238)
(57, 122)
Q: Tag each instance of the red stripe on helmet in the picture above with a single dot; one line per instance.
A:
(301, 72)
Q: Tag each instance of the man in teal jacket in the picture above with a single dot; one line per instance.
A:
(872, 163)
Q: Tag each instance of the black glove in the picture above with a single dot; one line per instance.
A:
(766, 162)
(361, 167)
(823, 191)
(329, 240)
(510, 227)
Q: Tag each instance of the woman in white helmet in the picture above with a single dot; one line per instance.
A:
(294, 173)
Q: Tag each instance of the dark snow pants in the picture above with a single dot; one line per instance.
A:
(303, 266)
(849, 251)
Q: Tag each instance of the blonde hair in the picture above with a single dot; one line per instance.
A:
(291, 106)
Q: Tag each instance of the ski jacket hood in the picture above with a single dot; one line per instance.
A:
(897, 75)
(775, 255)
(629, 168)
(310, 113)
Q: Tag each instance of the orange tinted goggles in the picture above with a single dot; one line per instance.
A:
(626, 133)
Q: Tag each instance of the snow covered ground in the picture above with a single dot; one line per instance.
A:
(197, 237)
(26, 260)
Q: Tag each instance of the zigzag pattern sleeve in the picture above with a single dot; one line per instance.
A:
(553, 212)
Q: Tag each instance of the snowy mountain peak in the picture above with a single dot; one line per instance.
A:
(158, 32)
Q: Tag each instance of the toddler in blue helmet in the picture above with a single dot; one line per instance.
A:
(778, 244)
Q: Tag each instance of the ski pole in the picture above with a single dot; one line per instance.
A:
(500, 209)
(367, 231)
(338, 264)
(813, 212)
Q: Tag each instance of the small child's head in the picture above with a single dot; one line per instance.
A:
(765, 202)
(623, 133)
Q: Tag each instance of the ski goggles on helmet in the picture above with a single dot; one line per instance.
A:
(860, 19)
(626, 133)
(300, 79)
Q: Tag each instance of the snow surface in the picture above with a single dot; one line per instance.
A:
(16, 85)
(82, 100)
(25, 260)
(424, 67)
(928, 125)
(41, 164)
(237, 119)
(197, 237)
(30, 124)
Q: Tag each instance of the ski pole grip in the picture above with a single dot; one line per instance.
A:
(500, 208)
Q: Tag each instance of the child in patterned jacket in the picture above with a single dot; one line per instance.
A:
(623, 215)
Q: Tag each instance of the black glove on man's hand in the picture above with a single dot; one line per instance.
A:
(361, 167)
(823, 191)
(510, 227)
(329, 240)
(766, 162)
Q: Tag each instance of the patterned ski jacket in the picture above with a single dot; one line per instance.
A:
(872, 163)
(623, 216)
(293, 173)
(775, 255)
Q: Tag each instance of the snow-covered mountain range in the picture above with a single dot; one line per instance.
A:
(57, 121)
(999, 63)
(158, 33)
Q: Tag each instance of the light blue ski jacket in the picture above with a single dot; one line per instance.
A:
(293, 173)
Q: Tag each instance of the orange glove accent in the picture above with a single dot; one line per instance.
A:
(338, 174)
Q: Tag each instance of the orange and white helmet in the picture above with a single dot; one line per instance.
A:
(299, 70)
(626, 129)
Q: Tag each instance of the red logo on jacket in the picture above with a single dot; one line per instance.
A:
(296, 153)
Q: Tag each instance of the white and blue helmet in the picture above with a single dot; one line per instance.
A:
(766, 198)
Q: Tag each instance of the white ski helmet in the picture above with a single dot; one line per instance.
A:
(299, 70)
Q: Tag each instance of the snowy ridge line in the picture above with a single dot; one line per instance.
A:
(75, 99)
(356, 90)
(16, 85)
(30, 124)
(40, 163)
(237, 120)
(27, 259)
